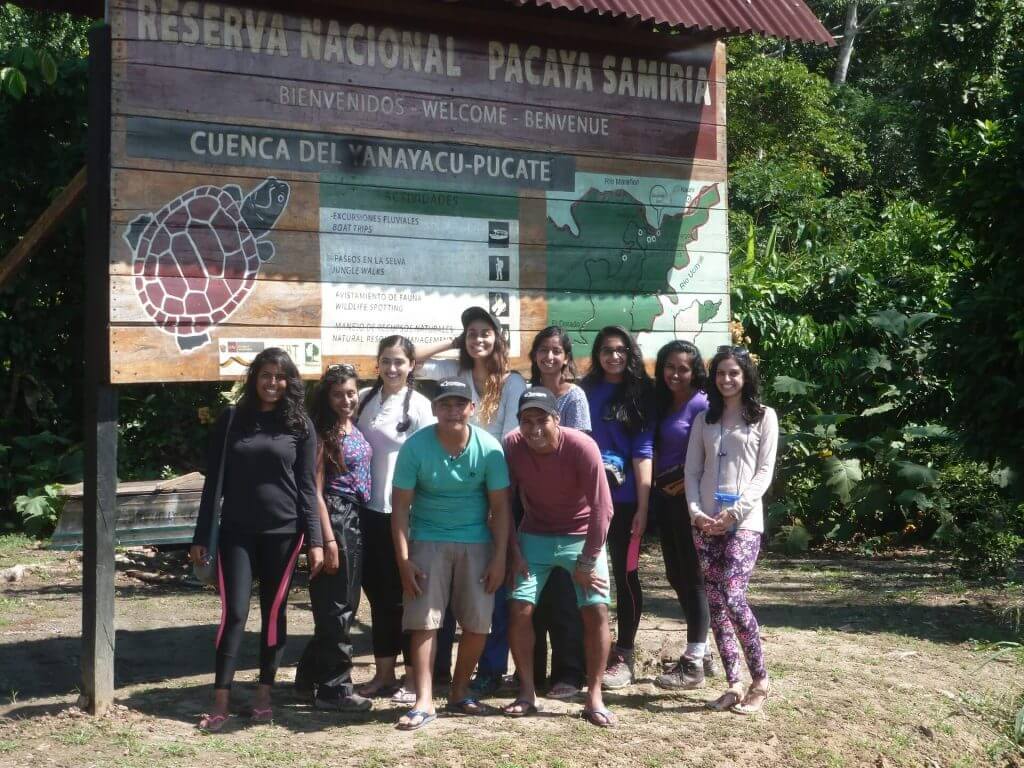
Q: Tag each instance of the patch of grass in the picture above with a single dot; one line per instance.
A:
(255, 754)
(76, 737)
(8, 745)
(130, 742)
(375, 757)
(177, 749)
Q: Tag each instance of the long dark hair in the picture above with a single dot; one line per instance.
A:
(553, 332)
(698, 380)
(290, 409)
(409, 350)
(631, 402)
(325, 420)
(751, 408)
(497, 367)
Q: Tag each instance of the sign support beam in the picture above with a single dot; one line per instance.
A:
(100, 411)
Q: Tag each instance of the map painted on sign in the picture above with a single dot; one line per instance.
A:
(400, 261)
(649, 254)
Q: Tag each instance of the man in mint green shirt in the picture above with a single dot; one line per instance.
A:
(450, 522)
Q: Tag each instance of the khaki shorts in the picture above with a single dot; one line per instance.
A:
(455, 574)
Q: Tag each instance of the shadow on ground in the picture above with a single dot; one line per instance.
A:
(44, 668)
(864, 597)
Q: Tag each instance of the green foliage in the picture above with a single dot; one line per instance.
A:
(39, 509)
(780, 109)
(983, 187)
(42, 135)
(978, 521)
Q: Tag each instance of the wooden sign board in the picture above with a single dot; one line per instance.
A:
(319, 181)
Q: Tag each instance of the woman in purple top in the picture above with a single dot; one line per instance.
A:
(680, 380)
(621, 399)
(343, 483)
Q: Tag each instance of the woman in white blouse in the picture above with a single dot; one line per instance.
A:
(729, 465)
(389, 412)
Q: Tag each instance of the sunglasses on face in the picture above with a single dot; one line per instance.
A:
(737, 351)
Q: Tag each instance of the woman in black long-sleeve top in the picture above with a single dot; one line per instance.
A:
(268, 511)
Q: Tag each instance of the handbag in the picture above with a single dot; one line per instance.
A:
(672, 482)
(206, 571)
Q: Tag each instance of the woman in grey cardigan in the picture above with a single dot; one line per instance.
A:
(729, 465)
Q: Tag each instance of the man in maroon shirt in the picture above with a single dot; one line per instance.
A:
(559, 477)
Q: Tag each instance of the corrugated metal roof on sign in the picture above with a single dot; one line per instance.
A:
(791, 19)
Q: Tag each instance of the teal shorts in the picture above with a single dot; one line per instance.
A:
(543, 552)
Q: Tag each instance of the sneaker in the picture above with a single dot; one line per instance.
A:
(619, 672)
(485, 684)
(711, 668)
(351, 703)
(685, 675)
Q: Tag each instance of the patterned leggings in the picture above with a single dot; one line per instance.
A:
(727, 562)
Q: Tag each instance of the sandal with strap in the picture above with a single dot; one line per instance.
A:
(753, 702)
(261, 714)
(469, 706)
(726, 701)
(520, 708)
(563, 690)
(602, 718)
(416, 719)
(212, 723)
(382, 691)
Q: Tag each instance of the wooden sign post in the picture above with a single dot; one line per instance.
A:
(99, 512)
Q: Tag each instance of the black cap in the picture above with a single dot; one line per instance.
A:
(452, 388)
(538, 397)
(479, 313)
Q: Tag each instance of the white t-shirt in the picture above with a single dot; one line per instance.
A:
(505, 418)
(379, 424)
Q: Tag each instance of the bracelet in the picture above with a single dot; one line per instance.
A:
(332, 541)
(586, 564)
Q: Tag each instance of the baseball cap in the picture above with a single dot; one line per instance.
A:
(452, 388)
(538, 397)
(479, 313)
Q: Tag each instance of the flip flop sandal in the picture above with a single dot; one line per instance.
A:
(261, 714)
(726, 701)
(469, 706)
(412, 714)
(743, 708)
(403, 696)
(563, 691)
(602, 718)
(212, 723)
(382, 692)
(526, 708)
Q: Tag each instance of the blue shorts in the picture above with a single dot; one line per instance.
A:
(543, 552)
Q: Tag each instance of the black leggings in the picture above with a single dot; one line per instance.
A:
(327, 661)
(270, 558)
(383, 586)
(629, 598)
(557, 614)
(682, 568)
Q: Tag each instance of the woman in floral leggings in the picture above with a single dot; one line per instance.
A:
(729, 466)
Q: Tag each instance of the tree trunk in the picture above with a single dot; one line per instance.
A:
(846, 45)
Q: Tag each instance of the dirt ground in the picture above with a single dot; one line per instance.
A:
(885, 662)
